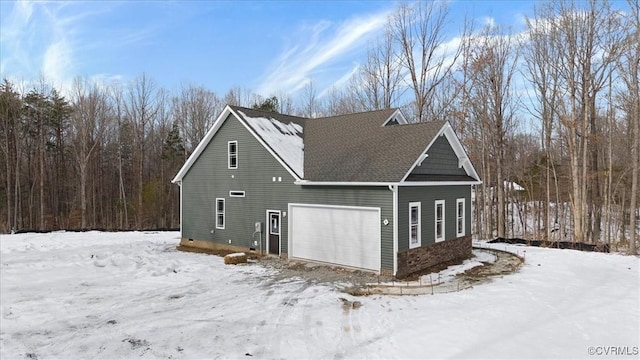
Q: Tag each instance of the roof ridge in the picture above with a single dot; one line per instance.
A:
(266, 112)
(355, 113)
(428, 122)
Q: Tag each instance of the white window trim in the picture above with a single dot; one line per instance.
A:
(460, 231)
(269, 212)
(223, 213)
(419, 232)
(229, 155)
(435, 222)
(236, 193)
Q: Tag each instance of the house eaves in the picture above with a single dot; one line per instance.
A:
(404, 183)
(463, 158)
(398, 116)
(202, 145)
(228, 110)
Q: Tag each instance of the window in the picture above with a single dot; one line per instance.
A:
(460, 217)
(233, 193)
(415, 238)
(232, 151)
(439, 220)
(220, 213)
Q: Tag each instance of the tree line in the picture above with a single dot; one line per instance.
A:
(555, 109)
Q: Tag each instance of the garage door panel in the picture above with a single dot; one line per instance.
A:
(348, 236)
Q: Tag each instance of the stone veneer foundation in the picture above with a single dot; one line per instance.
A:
(414, 260)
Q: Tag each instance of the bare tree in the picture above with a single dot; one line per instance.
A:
(88, 122)
(241, 97)
(310, 102)
(118, 104)
(141, 109)
(491, 63)
(542, 73)
(628, 68)
(195, 109)
(585, 42)
(427, 60)
(342, 102)
(285, 103)
(376, 83)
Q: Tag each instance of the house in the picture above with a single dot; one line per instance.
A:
(366, 190)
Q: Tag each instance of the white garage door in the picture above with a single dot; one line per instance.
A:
(348, 236)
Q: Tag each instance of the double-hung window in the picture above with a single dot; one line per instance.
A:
(220, 210)
(415, 238)
(232, 154)
(439, 220)
(460, 231)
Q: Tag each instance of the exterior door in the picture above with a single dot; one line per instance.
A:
(273, 218)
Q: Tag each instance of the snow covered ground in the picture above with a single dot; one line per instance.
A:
(132, 295)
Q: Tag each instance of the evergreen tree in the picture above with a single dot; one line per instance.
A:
(271, 104)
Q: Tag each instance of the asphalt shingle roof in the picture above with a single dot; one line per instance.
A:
(356, 147)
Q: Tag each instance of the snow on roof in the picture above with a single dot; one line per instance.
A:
(284, 139)
(513, 186)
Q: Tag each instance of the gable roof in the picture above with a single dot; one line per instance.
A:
(354, 148)
(269, 123)
(358, 148)
(283, 134)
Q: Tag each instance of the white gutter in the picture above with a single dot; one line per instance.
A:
(181, 207)
(342, 183)
(438, 183)
(402, 183)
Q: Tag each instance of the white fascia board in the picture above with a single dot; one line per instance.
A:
(342, 183)
(404, 183)
(209, 135)
(202, 145)
(439, 183)
(264, 144)
(454, 142)
(463, 158)
(401, 119)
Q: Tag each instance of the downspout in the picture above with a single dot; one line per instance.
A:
(394, 190)
(181, 207)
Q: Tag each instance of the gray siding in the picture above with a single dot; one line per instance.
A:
(209, 179)
(442, 160)
(427, 195)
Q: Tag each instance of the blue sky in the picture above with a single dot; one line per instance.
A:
(268, 47)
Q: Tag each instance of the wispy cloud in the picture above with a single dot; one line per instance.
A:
(344, 79)
(320, 47)
(12, 41)
(50, 40)
(37, 40)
